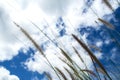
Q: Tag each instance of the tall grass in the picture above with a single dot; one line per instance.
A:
(75, 71)
(48, 76)
(92, 55)
(37, 47)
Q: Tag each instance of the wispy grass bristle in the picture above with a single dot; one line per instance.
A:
(108, 4)
(37, 47)
(30, 38)
(72, 68)
(90, 71)
(71, 75)
(48, 76)
(108, 25)
(61, 73)
(91, 55)
(66, 55)
(78, 55)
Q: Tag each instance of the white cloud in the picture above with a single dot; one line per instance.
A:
(8, 43)
(42, 12)
(99, 43)
(5, 75)
(55, 6)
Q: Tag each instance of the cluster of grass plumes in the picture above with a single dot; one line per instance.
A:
(75, 72)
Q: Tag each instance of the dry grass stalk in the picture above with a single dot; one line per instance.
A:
(78, 54)
(81, 60)
(61, 73)
(75, 71)
(71, 75)
(72, 68)
(37, 47)
(48, 76)
(30, 38)
(95, 68)
(89, 71)
(71, 62)
(109, 25)
(66, 55)
(108, 4)
(43, 32)
(91, 55)
(100, 70)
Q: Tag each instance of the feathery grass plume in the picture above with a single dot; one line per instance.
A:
(30, 38)
(118, 2)
(72, 62)
(81, 60)
(92, 55)
(78, 55)
(90, 71)
(108, 4)
(108, 25)
(75, 71)
(71, 75)
(72, 68)
(37, 47)
(48, 76)
(76, 66)
(43, 32)
(61, 73)
(66, 55)
(101, 71)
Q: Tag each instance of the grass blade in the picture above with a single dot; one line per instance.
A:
(109, 25)
(48, 76)
(61, 73)
(72, 68)
(89, 71)
(36, 46)
(91, 55)
(71, 75)
(108, 4)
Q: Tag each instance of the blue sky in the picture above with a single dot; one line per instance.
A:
(20, 60)
(16, 66)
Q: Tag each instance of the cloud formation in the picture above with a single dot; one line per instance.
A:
(53, 7)
(8, 45)
(5, 75)
(45, 14)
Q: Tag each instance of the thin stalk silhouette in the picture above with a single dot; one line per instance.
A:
(37, 46)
